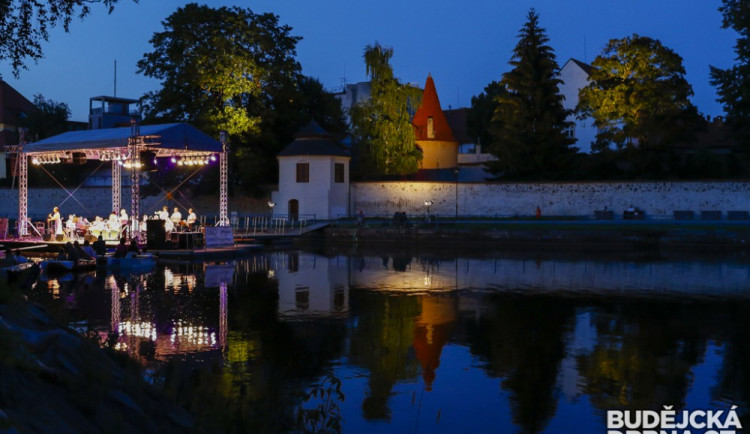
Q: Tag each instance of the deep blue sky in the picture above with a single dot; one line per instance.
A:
(464, 44)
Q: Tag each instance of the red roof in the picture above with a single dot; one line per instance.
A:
(430, 108)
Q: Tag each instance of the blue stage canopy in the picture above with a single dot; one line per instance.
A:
(178, 137)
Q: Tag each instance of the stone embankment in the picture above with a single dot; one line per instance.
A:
(53, 380)
(553, 234)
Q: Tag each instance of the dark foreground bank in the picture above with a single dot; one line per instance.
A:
(54, 380)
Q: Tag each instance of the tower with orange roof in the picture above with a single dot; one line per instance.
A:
(433, 134)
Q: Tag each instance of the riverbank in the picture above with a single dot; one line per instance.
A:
(54, 380)
(551, 233)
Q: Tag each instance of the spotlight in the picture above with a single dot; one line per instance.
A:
(35, 161)
(173, 160)
(213, 157)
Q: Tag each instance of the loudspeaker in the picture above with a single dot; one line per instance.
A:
(156, 235)
(79, 158)
(60, 237)
(46, 237)
(148, 163)
(90, 238)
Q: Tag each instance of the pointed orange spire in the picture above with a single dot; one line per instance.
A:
(430, 109)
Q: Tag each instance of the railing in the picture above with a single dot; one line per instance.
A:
(254, 224)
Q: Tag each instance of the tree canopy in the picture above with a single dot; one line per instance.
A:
(639, 100)
(50, 118)
(733, 84)
(381, 126)
(230, 69)
(25, 24)
(479, 122)
(529, 136)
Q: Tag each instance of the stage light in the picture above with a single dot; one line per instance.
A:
(173, 160)
(213, 157)
(35, 161)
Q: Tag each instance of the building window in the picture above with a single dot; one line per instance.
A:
(303, 172)
(338, 172)
(430, 128)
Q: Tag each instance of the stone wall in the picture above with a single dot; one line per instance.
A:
(563, 199)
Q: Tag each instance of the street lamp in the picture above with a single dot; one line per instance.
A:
(455, 172)
(271, 204)
(428, 204)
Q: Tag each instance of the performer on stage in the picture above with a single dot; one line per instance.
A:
(55, 220)
(70, 226)
(191, 219)
(176, 217)
(164, 213)
(113, 227)
(123, 222)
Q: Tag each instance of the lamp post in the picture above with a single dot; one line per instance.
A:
(428, 204)
(271, 204)
(455, 172)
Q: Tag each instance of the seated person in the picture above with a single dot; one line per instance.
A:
(99, 246)
(88, 249)
(81, 253)
(121, 250)
(133, 250)
(9, 260)
(71, 252)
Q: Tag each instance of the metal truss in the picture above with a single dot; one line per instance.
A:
(223, 180)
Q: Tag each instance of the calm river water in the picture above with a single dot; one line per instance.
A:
(399, 341)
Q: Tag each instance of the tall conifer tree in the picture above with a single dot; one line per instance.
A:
(733, 84)
(381, 126)
(530, 137)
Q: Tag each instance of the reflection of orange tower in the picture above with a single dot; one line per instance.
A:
(432, 330)
(433, 134)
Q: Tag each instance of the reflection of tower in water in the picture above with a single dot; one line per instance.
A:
(432, 331)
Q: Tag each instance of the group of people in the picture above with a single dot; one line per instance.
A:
(117, 225)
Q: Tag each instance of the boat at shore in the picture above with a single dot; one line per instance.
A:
(142, 262)
(52, 266)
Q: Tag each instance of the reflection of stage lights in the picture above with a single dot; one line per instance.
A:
(139, 329)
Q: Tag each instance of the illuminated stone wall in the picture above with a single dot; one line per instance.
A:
(564, 199)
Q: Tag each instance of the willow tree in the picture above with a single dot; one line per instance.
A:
(381, 126)
(529, 137)
(639, 100)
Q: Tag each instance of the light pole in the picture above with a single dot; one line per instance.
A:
(428, 204)
(271, 204)
(455, 172)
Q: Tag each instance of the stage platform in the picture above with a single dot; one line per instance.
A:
(30, 245)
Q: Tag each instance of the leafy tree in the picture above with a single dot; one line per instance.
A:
(529, 139)
(479, 121)
(233, 70)
(381, 126)
(733, 84)
(25, 24)
(214, 65)
(50, 118)
(638, 98)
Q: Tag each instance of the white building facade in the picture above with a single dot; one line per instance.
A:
(575, 76)
(313, 178)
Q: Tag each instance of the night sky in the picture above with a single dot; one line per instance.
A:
(464, 44)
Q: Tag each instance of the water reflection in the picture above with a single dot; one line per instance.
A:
(297, 341)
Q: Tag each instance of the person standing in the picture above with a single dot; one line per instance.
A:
(55, 221)
(191, 219)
